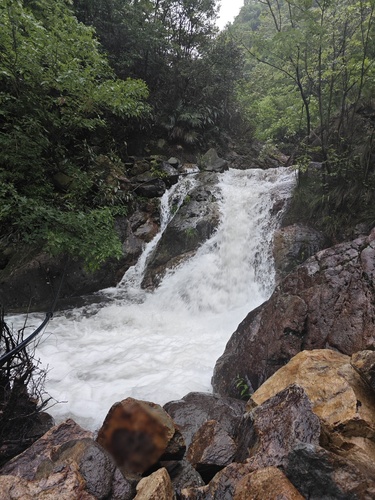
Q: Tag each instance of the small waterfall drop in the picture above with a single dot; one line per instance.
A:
(160, 345)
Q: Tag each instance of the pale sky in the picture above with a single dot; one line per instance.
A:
(228, 11)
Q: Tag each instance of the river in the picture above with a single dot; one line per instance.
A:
(158, 346)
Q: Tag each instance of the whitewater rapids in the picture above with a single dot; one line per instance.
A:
(158, 346)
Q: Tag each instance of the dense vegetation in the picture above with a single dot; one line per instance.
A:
(88, 82)
(309, 87)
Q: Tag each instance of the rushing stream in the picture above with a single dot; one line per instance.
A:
(160, 345)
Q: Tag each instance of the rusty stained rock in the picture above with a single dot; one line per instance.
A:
(136, 433)
(266, 484)
(157, 486)
(273, 429)
(338, 395)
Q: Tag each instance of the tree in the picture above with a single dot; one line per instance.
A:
(58, 94)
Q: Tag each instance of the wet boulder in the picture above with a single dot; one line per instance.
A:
(270, 431)
(222, 486)
(211, 162)
(65, 484)
(169, 173)
(65, 463)
(339, 396)
(149, 186)
(183, 475)
(27, 463)
(138, 434)
(327, 302)
(318, 473)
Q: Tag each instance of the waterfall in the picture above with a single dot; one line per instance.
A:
(158, 346)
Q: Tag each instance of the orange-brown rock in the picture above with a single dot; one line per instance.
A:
(266, 484)
(339, 397)
(136, 433)
(66, 484)
(26, 465)
(157, 486)
(364, 363)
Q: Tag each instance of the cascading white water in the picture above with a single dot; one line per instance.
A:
(160, 345)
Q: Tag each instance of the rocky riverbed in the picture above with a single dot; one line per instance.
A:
(307, 430)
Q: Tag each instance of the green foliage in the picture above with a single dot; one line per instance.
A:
(59, 102)
(89, 235)
(243, 388)
(307, 62)
(191, 232)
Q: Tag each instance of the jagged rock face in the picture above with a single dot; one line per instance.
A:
(327, 302)
(193, 224)
(294, 244)
(138, 433)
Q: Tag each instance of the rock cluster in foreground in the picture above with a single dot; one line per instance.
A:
(307, 432)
